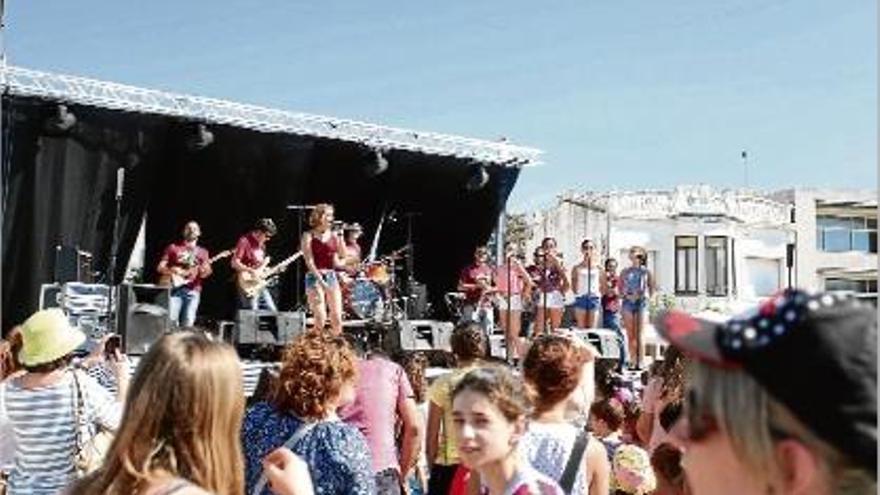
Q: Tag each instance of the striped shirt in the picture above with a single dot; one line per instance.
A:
(43, 422)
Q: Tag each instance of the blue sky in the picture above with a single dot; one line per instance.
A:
(620, 94)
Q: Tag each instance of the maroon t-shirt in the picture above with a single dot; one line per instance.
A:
(248, 251)
(470, 275)
(181, 255)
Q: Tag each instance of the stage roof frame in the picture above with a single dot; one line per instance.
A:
(103, 94)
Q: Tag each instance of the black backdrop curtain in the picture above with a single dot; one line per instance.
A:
(60, 190)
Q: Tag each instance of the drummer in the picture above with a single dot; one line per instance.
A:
(352, 262)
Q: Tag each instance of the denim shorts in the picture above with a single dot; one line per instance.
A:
(629, 306)
(329, 277)
(586, 302)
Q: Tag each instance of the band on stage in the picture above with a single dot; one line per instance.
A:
(339, 283)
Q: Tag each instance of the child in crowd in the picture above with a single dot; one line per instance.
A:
(489, 409)
(606, 419)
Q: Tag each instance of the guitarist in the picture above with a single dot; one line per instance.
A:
(477, 281)
(188, 260)
(250, 257)
(323, 252)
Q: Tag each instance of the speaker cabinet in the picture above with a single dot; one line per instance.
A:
(143, 316)
(605, 341)
(72, 265)
(268, 327)
(420, 335)
(50, 296)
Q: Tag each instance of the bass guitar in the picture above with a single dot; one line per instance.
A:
(180, 277)
(250, 284)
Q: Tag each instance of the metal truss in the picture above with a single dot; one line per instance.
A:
(30, 83)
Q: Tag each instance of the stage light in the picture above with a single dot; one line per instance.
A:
(378, 166)
(478, 178)
(201, 138)
(61, 121)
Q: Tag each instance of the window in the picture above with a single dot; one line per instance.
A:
(837, 234)
(862, 288)
(686, 265)
(716, 265)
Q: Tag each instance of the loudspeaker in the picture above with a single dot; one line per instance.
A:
(268, 327)
(72, 265)
(605, 341)
(50, 296)
(420, 335)
(417, 306)
(789, 255)
(143, 316)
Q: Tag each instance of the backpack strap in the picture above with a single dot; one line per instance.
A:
(302, 431)
(575, 459)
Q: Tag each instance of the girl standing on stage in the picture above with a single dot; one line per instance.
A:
(636, 286)
(553, 281)
(514, 286)
(323, 250)
(585, 277)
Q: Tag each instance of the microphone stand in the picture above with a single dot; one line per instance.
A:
(299, 232)
(114, 246)
(507, 328)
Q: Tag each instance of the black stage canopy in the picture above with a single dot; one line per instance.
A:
(59, 189)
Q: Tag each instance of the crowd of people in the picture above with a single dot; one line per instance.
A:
(781, 400)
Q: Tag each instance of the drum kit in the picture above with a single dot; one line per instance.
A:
(371, 292)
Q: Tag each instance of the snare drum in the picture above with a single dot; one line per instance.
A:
(377, 272)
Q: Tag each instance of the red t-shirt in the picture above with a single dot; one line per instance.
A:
(181, 255)
(472, 274)
(248, 251)
(323, 251)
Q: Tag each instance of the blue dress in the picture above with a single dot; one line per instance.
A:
(336, 452)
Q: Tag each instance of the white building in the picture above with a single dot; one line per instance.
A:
(836, 239)
(710, 249)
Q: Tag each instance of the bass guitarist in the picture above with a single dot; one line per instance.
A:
(323, 252)
(250, 260)
(187, 261)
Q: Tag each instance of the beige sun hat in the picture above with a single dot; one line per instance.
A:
(46, 336)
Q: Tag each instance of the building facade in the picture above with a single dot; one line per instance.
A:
(708, 249)
(836, 239)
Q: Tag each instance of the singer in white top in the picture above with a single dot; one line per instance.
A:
(585, 278)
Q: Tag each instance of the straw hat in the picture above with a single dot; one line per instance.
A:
(46, 336)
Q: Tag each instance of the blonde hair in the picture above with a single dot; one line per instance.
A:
(745, 413)
(318, 212)
(182, 418)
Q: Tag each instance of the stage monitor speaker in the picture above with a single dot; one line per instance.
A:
(143, 316)
(268, 327)
(605, 341)
(420, 335)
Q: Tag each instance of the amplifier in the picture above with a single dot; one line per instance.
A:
(268, 327)
(605, 341)
(420, 335)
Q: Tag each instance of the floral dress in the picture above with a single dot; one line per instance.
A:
(336, 452)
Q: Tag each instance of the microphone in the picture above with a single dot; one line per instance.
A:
(120, 181)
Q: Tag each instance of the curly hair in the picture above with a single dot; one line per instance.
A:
(266, 226)
(9, 349)
(414, 364)
(467, 342)
(500, 387)
(314, 368)
(553, 368)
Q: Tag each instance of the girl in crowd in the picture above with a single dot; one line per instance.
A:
(186, 397)
(553, 282)
(636, 286)
(317, 376)
(586, 278)
(468, 346)
(559, 369)
(609, 284)
(514, 286)
(783, 400)
(606, 421)
(323, 253)
(489, 408)
(665, 388)
(415, 365)
(50, 404)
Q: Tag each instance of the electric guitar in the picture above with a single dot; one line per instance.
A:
(252, 283)
(180, 278)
